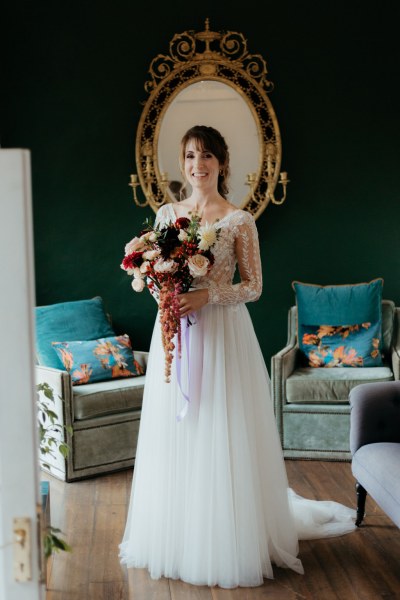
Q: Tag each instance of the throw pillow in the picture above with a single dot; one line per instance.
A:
(98, 360)
(75, 320)
(340, 325)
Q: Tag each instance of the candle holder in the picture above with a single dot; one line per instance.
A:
(134, 185)
(154, 188)
(269, 178)
(149, 197)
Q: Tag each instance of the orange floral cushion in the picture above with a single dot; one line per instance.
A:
(98, 360)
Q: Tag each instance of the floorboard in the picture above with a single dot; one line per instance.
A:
(364, 565)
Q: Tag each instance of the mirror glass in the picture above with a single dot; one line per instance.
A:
(209, 78)
(218, 105)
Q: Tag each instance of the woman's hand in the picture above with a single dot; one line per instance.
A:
(192, 301)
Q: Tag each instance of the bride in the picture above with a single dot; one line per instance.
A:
(210, 501)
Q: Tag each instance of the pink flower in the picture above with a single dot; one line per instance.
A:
(151, 254)
(198, 265)
(135, 245)
(165, 266)
(145, 267)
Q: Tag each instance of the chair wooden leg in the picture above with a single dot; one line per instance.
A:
(361, 497)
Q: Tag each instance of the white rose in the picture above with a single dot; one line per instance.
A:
(135, 245)
(182, 236)
(207, 235)
(165, 266)
(145, 267)
(198, 265)
(151, 254)
(138, 284)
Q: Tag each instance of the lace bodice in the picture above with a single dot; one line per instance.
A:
(237, 244)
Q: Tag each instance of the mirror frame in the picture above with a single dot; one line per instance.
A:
(201, 56)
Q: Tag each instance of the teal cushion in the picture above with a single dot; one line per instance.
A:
(340, 325)
(75, 320)
(98, 360)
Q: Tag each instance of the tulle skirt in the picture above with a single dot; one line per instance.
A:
(210, 501)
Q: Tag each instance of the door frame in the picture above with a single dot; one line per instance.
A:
(19, 443)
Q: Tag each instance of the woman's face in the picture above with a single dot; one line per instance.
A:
(201, 167)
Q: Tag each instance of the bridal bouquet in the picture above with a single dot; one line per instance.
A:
(165, 259)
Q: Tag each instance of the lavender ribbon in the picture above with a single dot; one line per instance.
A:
(185, 324)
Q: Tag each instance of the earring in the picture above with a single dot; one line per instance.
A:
(221, 172)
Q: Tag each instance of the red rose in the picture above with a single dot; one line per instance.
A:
(182, 222)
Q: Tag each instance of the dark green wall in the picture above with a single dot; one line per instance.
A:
(73, 93)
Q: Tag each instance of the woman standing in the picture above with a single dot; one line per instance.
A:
(210, 502)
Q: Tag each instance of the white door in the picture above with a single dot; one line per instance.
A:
(19, 470)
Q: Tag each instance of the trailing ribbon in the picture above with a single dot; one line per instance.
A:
(185, 324)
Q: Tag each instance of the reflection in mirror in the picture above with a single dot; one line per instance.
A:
(209, 78)
(218, 105)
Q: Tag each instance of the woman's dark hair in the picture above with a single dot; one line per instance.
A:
(208, 138)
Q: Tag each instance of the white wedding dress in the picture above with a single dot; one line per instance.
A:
(210, 499)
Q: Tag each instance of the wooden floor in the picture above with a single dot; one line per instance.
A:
(361, 565)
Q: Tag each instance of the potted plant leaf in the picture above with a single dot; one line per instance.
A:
(50, 442)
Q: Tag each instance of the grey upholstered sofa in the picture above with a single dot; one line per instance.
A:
(311, 404)
(375, 446)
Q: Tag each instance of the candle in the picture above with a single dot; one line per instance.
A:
(283, 177)
(134, 179)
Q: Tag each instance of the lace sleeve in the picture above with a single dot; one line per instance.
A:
(249, 262)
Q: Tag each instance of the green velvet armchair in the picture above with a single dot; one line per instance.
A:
(99, 420)
(100, 423)
(312, 404)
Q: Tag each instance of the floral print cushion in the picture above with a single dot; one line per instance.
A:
(342, 346)
(98, 360)
(340, 325)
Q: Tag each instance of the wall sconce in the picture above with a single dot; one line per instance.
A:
(149, 178)
(135, 184)
(269, 178)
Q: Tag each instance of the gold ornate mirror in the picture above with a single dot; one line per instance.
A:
(209, 78)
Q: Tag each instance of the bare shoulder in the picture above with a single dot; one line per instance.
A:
(182, 208)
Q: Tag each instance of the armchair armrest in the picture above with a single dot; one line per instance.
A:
(395, 351)
(57, 379)
(142, 357)
(396, 362)
(282, 365)
(60, 383)
(375, 414)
